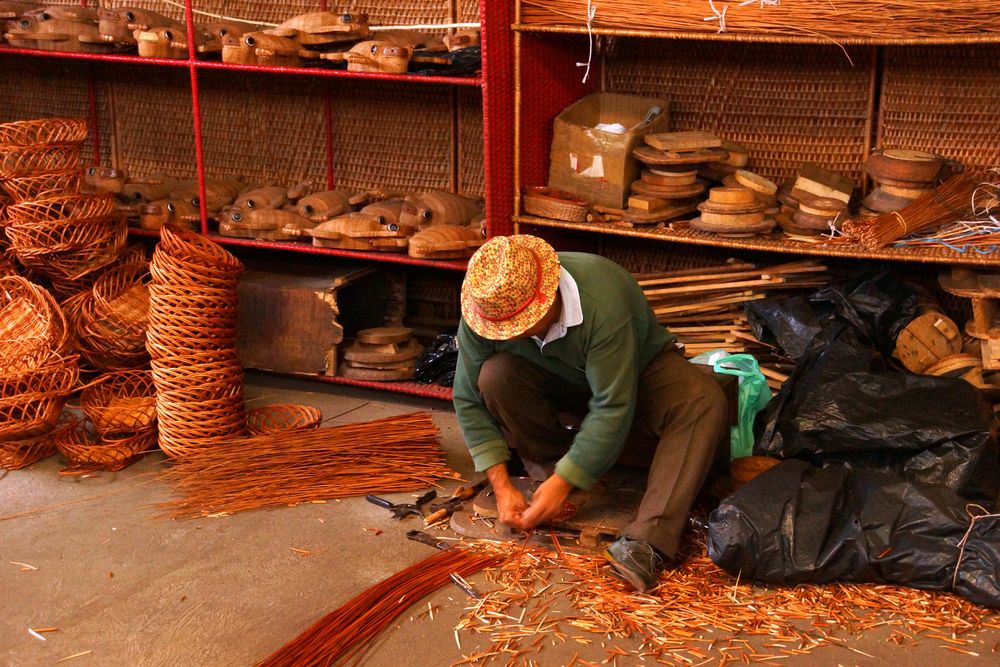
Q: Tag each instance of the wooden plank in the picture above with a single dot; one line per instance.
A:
(683, 141)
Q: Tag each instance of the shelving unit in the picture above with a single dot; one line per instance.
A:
(790, 100)
(195, 118)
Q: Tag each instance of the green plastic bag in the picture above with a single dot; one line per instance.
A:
(754, 394)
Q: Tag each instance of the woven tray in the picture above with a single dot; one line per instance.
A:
(28, 161)
(43, 184)
(85, 451)
(121, 402)
(20, 453)
(281, 418)
(42, 132)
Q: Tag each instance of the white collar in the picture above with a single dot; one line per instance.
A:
(571, 313)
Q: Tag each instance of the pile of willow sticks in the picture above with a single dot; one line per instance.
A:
(842, 19)
(343, 635)
(381, 456)
(704, 307)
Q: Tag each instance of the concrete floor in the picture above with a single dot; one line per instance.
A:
(136, 590)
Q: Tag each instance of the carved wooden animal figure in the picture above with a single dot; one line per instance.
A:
(266, 197)
(219, 192)
(418, 41)
(118, 26)
(104, 179)
(387, 212)
(446, 242)
(11, 11)
(269, 224)
(361, 231)
(438, 208)
(162, 211)
(260, 48)
(461, 39)
(66, 13)
(143, 191)
(57, 35)
(377, 57)
(166, 42)
(215, 32)
(324, 28)
(322, 206)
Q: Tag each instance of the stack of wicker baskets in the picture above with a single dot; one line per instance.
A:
(121, 407)
(36, 374)
(52, 228)
(192, 342)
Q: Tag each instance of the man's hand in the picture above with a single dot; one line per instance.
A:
(546, 503)
(510, 501)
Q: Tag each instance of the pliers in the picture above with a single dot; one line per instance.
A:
(400, 510)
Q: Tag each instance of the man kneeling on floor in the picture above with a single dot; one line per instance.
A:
(545, 333)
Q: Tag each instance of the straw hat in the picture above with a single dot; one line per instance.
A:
(510, 284)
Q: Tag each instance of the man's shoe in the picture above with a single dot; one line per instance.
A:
(636, 561)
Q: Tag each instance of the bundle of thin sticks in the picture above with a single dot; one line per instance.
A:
(950, 201)
(978, 235)
(699, 614)
(382, 456)
(704, 307)
(843, 19)
(343, 635)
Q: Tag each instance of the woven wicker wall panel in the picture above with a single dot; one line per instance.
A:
(263, 127)
(468, 11)
(43, 88)
(943, 99)
(152, 121)
(789, 104)
(391, 136)
(470, 142)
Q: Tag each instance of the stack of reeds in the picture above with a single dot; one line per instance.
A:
(191, 339)
(704, 307)
(36, 372)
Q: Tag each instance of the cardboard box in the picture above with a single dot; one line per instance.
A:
(597, 165)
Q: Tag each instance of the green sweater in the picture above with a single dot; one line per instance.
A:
(618, 337)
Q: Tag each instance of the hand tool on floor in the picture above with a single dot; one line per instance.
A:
(445, 509)
(421, 536)
(400, 510)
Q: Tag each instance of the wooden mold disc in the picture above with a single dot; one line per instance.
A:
(679, 207)
(682, 141)
(954, 365)
(823, 206)
(903, 165)
(668, 170)
(650, 155)
(737, 195)
(384, 353)
(881, 201)
(384, 335)
(739, 155)
(675, 179)
(891, 182)
(681, 192)
(734, 229)
(730, 209)
(792, 230)
(732, 219)
(811, 221)
(926, 340)
(375, 375)
(756, 182)
(908, 193)
(383, 365)
(962, 282)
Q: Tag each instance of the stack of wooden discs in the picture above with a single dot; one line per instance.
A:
(668, 187)
(733, 212)
(382, 354)
(813, 203)
(724, 170)
(902, 176)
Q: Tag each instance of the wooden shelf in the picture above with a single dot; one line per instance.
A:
(771, 243)
(759, 38)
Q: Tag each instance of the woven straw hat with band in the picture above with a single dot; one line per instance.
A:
(510, 284)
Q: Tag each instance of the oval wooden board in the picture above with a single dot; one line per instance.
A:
(382, 335)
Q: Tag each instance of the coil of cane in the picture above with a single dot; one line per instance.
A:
(83, 449)
(17, 162)
(43, 184)
(121, 402)
(74, 264)
(282, 418)
(42, 132)
(64, 207)
(22, 452)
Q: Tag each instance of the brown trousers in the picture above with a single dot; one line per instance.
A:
(680, 421)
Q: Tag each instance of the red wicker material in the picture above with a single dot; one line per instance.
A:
(43, 132)
(121, 402)
(281, 418)
(85, 451)
(63, 207)
(22, 452)
(43, 184)
(28, 161)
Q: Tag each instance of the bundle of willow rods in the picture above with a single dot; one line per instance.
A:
(345, 634)
(381, 456)
(840, 19)
(950, 201)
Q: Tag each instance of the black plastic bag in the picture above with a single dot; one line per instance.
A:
(437, 364)
(843, 405)
(797, 523)
(789, 322)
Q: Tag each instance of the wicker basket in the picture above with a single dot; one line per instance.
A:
(63, 207)
(282, 418)
(121, 295)
(22, 452)
(84, 451)
(29, 161)
(121, 402)
(29, 415)
(167, 270)
(55, 375)
(42, 132)
(40, 239)
(29, 314)
(69, 265)
(43, 184)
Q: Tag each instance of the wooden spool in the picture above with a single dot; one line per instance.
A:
(679, 192)
(683, 141)
(738, 195)
(674, 179)
(650, 155)
(384, 335)
(927, 340)
(903, 165)
(755, 182)
(954, 365)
